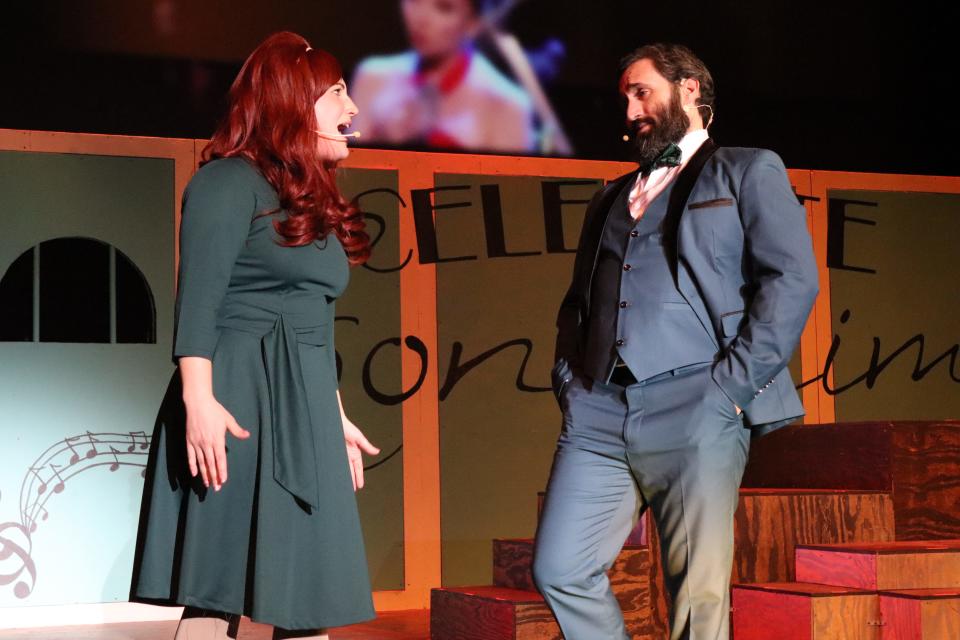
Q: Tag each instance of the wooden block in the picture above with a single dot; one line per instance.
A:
(490, 613)
(630, 582)
(512, 563)
(926, 465)
(762, 614)
(857, 570)
(920, 614)
(769, 523)
(799, 611)
(882, 566)
(629, 578)
(916, 462)
(852, 456)
(901, 618)
(659, 598)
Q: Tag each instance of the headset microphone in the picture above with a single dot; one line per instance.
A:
(338, 136)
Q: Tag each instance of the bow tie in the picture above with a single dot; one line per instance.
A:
(669, 157)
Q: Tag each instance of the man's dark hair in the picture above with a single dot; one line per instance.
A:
(675, 62)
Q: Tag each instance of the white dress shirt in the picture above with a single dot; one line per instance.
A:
(648, 187)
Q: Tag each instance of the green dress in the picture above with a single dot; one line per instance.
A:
(281, 541)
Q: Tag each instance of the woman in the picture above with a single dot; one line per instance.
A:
(442, 94)
(264, 522)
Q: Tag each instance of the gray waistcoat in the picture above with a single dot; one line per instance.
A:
(636, 311)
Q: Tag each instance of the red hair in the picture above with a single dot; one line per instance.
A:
(271, 122)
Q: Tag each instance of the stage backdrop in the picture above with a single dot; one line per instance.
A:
(445, 340)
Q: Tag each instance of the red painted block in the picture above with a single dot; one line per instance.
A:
(490, 613)
(855, 570)
(883, 565)
(802, 611)
(920, 614)
(757, 613)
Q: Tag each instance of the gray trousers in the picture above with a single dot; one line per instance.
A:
(673, 443)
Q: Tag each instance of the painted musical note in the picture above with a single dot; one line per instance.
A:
(57, 488)
(33, 522)
(93, 448)
(134, 436)
(46, 477)
(90, 453)
(43, 484)
(9, 548)
(75, 458)
(116, 461)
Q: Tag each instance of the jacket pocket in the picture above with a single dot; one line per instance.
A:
(708, 204)
(560, 375)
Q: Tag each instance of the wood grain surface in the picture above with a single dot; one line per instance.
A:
(769, 524)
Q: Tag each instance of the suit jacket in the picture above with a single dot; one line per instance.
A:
(741, 237)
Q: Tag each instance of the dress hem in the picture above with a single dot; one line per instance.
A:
(200, 603)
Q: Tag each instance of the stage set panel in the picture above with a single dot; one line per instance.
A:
(893, 300)
(445, 341)
(87, 297)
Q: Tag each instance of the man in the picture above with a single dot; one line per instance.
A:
(693, 279)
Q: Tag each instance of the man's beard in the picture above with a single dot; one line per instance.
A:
(668, 124)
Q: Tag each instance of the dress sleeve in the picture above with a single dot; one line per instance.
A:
(218, 206)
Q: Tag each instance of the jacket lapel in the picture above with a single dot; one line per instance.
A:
(671, 224)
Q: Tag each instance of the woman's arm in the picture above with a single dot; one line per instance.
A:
(207, 423)
(218, 205)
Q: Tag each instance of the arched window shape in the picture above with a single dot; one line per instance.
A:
(76, 290)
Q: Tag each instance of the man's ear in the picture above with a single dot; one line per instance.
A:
(689, 91)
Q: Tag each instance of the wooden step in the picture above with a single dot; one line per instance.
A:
(917, 463)
(920, 614)
(882, 566)
(629, 578)
(512, 563)
(490, 613)
(803, 611)
(770, 523)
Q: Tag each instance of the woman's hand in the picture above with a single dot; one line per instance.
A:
(207, 423)
(207, 426)
(357, 444)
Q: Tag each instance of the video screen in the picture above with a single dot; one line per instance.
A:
(464, 81)
(516, 77)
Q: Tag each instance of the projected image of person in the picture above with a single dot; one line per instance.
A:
(443, 93)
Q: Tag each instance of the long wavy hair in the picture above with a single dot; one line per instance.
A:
(270, 121)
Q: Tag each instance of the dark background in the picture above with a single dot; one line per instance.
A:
(838, 86)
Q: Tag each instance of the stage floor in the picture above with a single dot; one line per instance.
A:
(402, 625)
